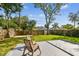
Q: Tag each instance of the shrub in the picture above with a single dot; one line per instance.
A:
(73, 32)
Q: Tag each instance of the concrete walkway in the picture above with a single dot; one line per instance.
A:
(47, 49)
(68, 47)
(19, 36)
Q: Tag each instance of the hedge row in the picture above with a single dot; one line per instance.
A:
(34, 32)
(74, 33)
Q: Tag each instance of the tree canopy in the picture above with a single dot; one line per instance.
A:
(49, 10)
(74, 17)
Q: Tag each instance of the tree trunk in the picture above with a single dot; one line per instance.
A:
(31, 32)
(23, 32)
(8, 33)
(9, 17)
(19, 18)
(74, 24)
(8, 26)
(48, 30)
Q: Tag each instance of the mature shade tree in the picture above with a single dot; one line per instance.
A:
(49, 10)
(18, 8)
(74, 17)
(8, 9)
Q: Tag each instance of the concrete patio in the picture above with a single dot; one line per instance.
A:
(50, 48)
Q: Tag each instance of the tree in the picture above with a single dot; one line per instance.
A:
(1, 20)
(74, 17)
(7, 7)
(68, 26)
(10, 8)
(49, 10)
(24, 22)
(18, 9)
(31, 25)
(55, 26)
(12, 24)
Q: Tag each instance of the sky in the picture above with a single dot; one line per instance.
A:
(37, 14)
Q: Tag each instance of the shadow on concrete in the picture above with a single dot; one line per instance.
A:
(19, 48)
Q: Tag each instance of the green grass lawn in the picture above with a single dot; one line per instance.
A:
(9, 43)
(56, 37)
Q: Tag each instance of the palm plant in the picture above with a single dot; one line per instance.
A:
(55, 26)
(73, 17)
(23, 22)
(31, 25)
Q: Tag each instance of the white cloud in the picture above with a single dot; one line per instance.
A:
(39, 18)
(26, 7)
(39, 24)
(41, 15)
(65, 6)
(31, 16)
(36, 16)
